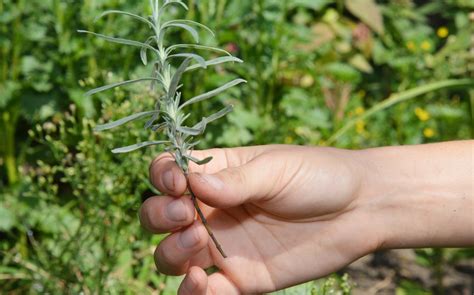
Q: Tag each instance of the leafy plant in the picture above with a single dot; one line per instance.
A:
(165, 82)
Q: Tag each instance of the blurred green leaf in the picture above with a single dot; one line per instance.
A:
(369, 12)
(7, 219)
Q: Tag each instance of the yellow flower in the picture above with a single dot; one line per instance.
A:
(359, 111)
(442, 32)
(428, 132)
(426, 45)
(411, 45)
(289, 140)
(360, 127)
(307, 81)
(422, 114)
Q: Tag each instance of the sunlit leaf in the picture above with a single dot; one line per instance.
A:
(111, 86)
(213, 93)
(142, 19)
(120, 40)
(198, 58)
(125, 120)
(189, 22)
(190, 29)
(150, 122)
(195, 46)
(222, 113)
(143, 51)
(190, 131)
(138, 146)
(171, 2)
(177, 77)
(216, 61)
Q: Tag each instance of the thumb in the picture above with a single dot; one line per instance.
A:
(234, 186)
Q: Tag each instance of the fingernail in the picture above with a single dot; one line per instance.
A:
(189, 238)
(212, 181)
(168, 180)
(176, 211)
(190, 284)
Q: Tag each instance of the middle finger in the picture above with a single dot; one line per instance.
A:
(166, 214)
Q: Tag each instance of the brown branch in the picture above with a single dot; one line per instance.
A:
(204, 220)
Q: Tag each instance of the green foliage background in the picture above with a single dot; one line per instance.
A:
(68, 207)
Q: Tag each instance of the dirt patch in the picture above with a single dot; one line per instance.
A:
(382, 272)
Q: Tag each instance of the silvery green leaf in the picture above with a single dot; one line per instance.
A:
(216, 61)
(182, 118)
(190, 29)
(142, 19)
(197, 161)
(137, 146)
(159, 127)
(144, 56)
(191, 145)
(195, 46)
(167, 3)
(190, 131)
(213, 117)
(143, 51)
(124, 121)
(219, 114)
(198, 58)
(213, 93)
(150, 122)
(189, 22)
(177, 77)
(108, 87)
(120, 40)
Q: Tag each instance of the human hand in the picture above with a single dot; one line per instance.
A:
(283, 214)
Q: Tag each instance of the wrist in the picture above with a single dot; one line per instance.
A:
(417, 196)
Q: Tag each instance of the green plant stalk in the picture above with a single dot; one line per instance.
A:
(168, 115)
(398, 98)
(204, 220)
(438, 261)
(10, 159)
(181, 160)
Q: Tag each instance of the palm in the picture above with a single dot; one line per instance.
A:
(268, 240)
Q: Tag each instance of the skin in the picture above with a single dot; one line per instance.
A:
(290, 214)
